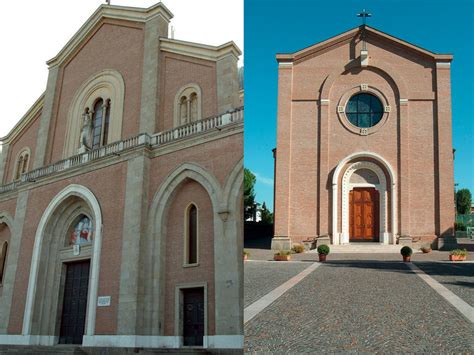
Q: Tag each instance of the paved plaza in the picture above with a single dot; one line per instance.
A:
(371, 303)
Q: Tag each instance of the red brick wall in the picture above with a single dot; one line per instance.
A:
(115, 45)
(108, 185)
(26, 139)
(312, 140)
(177, 71)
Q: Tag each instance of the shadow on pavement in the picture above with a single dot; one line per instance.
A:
(258, 243)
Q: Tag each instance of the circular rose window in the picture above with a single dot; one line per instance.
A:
(364, 110)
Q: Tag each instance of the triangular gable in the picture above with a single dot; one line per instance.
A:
(133, 14)
(346, 36)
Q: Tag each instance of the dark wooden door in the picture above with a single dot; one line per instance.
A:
(193, 320)
(363, 214)
(73, 318)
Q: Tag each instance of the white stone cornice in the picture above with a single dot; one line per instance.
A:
(285, 64)
(24, 121)
(443, 65)
(132, 14)
(198, 50)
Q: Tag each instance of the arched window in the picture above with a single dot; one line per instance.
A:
(3, 260)
(100, 123)
(191, 247)
(81, 231)
(108, 86)
(187, 106)
(22, 163)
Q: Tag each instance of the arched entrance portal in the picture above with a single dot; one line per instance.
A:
(365, 200)
(364, 203)
(60, 304)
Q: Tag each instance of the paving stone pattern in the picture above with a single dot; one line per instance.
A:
(360, 307)
(262, 277)
(457, 277)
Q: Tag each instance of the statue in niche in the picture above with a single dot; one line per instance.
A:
(86, 132)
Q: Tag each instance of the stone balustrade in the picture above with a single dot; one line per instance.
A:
(161, 138)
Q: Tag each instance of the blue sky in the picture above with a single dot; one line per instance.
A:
(273, 26)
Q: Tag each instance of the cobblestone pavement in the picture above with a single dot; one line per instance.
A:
(357, 306)
(457, 277)
(262, 277)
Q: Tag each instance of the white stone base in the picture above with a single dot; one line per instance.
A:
(45, 340)
(128, 341)
(281, 243)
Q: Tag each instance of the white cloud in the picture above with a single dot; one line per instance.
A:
(262, 179)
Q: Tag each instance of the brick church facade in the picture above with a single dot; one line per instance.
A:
(121, 193)
(364, 146)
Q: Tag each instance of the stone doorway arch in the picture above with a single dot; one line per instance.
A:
(365, 179)
(385, 184)
(41, 320)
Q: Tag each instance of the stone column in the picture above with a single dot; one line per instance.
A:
(324, 194)
(444, 154)
(228, 272)
(403, 183)
(134, 222)
(46, 116)
(227, 83)
(281, 238)
(188, 110)
(12, 261)
(104, 114)
(154, 29)
(3, 162)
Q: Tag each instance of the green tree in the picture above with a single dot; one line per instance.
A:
(267, 216)
(249, 192)
(463, 201)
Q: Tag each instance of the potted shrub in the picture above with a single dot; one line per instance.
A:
(246, 255)
(458, 255)
(298, 248)
(282, 255)
(406, 252)
(426, 249)
(323, 251)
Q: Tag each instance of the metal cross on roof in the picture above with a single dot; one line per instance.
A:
(364, 14)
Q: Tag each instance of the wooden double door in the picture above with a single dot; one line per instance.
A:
(73, 317)
(364, 214)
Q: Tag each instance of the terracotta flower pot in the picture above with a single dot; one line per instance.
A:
(281, 257)
(406, 259)
(426, 250)
(246, 257)
(322, 257)
(457, 257)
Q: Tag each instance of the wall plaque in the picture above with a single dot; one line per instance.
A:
(103, 301)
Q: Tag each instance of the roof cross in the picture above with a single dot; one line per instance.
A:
(364, 14)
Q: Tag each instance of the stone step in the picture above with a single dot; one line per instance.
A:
(366, 248)
(78, 350)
